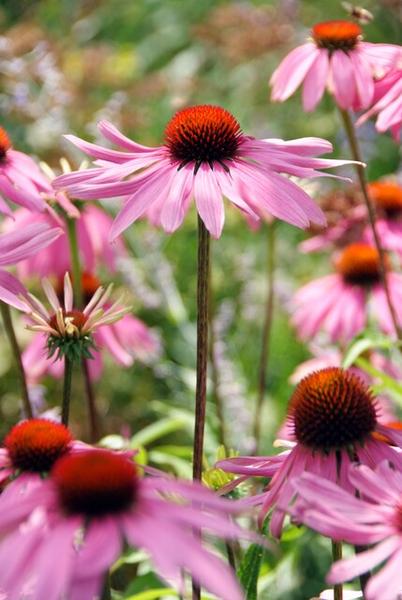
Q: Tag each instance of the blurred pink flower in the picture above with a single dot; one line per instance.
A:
(93, 504)
(206, 156)
(376, 520)
(340, 301)
(19, 245)
(93, 226)
(334, 420)
(388, 104)
(21, 180)
(336, 59)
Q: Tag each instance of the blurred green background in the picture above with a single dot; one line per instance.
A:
(67, 63)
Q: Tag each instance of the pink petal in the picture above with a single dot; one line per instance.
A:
(342, 71)
(315, 81)
(292, 70)
(208, 198)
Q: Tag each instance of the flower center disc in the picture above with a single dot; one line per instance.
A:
(359, 264)
(36, 444)
(95, 483)
(336, 35)
(5, 143)
(203, 133)
(76, 317)
(387, 197)
(332, 408)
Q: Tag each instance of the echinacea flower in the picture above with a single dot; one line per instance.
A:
(70, 330)
(126, 340)
(205, 156)
(388, 104)
(375, 518)
(342, 301)
(90, 507)
(19, 245)
(333, 416)
(21, 180)
(336, 59)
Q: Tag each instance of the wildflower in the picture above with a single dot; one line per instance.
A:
(21, 180)
(337, 59)
(126, 340)
(376, 521)
(70, 331)
(205, 155)
(341, 299)
(388, 104)
(333, 416)
(101, 496)
(17, 246)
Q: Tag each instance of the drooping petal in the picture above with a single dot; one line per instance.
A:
(209, 201)
(315, 81)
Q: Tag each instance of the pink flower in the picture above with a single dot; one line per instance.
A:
(21, 181)
(334, 419)
(335, 59)
(206, 156)
(340, 301)
(17, 246)
(376, 520)
(93, 225)
(388, 104)
(92, 505)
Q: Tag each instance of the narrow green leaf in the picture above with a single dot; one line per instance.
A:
(249, 568)
(153, 594)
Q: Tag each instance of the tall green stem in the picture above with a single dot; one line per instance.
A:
(75, 261)
(337, 555)
(68, 374)
(91, 402)
(9, 329)
(266, 334)
(202, 357)
(361, 175)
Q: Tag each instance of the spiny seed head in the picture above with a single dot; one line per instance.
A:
(35, 445)
(359, 264)
(95, 482)
(387, 197)
(336, 35)
(202, 134)
(332, 409)
(5, 143)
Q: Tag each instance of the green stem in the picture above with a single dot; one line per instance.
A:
(75, 262)
(107, 592)
(202, 358)
(337, 555)
(68, 374)
(94, 433)
(266, 334)
(361, 175)
(9, 329)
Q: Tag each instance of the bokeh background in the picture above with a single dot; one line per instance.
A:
(64, 65)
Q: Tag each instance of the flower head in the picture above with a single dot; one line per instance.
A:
(96, 502)
(70, 330)
(333, 418)
(376, 519)
(342, 298)
(337, 59)
(21, 180)
(205, 156)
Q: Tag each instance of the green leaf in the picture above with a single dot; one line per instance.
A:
(153, 594)
(250, 566)
(157, 430)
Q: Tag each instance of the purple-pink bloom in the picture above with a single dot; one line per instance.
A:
(17, 246)
(205, 156)
(333, 417)
(373, 519)
(340, 300)
(387, 104)
(336, 59)
(93, 504)
(21, 180)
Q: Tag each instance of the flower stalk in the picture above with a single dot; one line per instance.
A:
(9, 329)
(266, 334)
(356, 155)
(337, 555)
(68, 374)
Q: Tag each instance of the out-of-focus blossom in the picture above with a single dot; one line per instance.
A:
(17, 246)
(334, 420)
(374, 521)
(206, 156)
(388, 104)
(339, 303)
(90, 507)
(336, 59)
